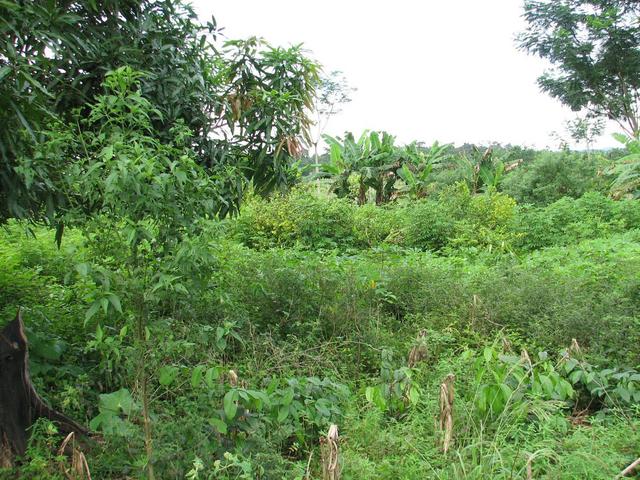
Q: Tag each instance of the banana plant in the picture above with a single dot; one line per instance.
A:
(417, 168)
(626, 170)
(373, 157)
(481, 171)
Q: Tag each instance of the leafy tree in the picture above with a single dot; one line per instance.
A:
(244, 101)
(593, 48)
(333, 91)
(585, 129)
(582, 128)
(143, 194)
(373, 157)
(416, 171)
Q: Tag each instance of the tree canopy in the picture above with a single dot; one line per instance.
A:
(593, 48)
(244, 102)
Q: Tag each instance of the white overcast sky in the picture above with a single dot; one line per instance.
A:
(445, 70)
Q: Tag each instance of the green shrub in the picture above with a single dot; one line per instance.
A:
(553, 175)
(460, 219)
(569, 221)
(302, 219)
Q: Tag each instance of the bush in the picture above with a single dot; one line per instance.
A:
(569, 221)
(460, 220)
(553, 175)
(302, 219)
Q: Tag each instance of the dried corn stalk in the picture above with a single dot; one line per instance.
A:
(79, 469)
(525, 359)
(330, 454)
(574, 349)
(446, 410)
(418, 352)
(233, 378)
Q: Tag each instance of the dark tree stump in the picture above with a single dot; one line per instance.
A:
(20, 405)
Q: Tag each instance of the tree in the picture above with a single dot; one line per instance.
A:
(333, 91)
(373, 158)
(593, 48)
(481, 171)
(144, 194)
(416, 171)
(20, 405)
(244, 101)
(585, 129)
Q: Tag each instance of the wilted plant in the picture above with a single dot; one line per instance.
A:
(330, 451)
(419, 350)
(447, 396)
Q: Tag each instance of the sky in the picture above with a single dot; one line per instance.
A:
(424, 70)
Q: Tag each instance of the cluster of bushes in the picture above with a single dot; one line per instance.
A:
(303, 219)
(453, 222)
(535, 177)
(551, 176)
(570, 220)
(304, 332)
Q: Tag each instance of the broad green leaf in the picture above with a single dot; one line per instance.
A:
(219, 425)
(229, 404)
(488, 354)
(624, 394)
(93, 309)
(168, 374)
(196, 376)
(117, 402)
(211, 376)
(115, 301)
(283, 413)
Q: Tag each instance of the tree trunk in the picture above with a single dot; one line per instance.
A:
(20, 405)
(362, 194)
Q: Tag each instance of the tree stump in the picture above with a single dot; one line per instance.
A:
(20, 405)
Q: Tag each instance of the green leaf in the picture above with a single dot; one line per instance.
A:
(624, 394)
(547, 386)
(229, 404)
(219, 425)
(4, 71)
(93, 309)
(283, 413)
(414, 395)
(107, 153)
(117, 402)
(488, 354)
(368, 393)
(196, 376)
(82, 269)
(115, 301)
(570, 364)
(168, 374)
(576, 376)
(288, 396)
(104, 302)
(506, 391)
(211, 376)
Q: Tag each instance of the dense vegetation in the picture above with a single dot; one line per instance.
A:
(462, 313)
(314, 302)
